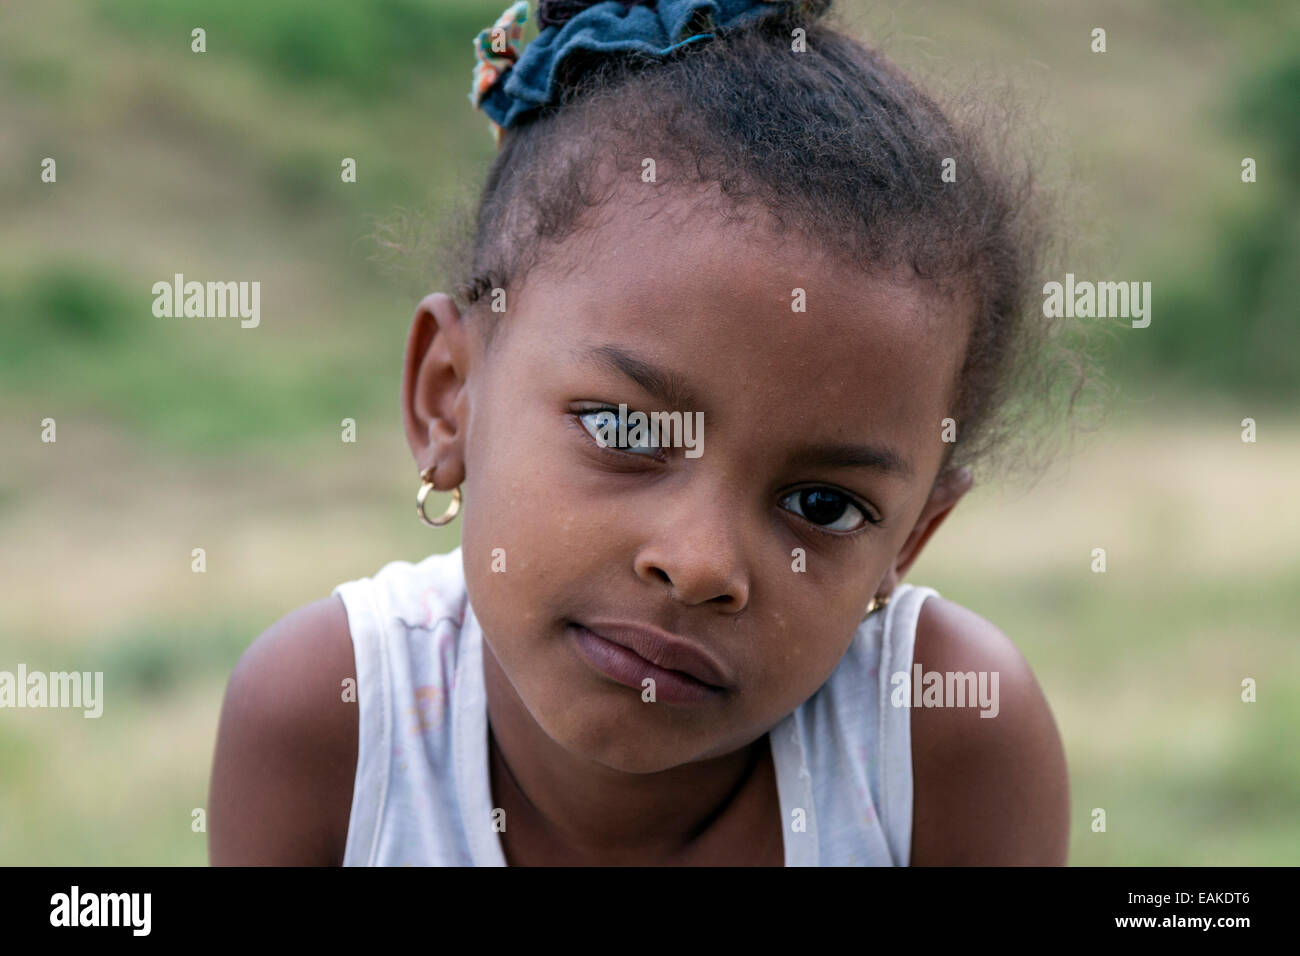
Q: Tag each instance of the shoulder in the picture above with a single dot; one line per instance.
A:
(285, 759)
(988, 790)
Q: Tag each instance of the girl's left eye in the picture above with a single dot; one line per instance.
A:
(602, 425)
(826, 508)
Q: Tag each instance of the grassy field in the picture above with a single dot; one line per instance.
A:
(226, 165)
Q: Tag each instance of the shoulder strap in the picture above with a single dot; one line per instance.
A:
(898, 640)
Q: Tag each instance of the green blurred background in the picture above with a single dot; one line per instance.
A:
(174, 435)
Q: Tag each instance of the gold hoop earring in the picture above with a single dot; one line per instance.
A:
(426, 485)
(877, 602)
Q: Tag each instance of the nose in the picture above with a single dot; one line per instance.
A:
(697, 551)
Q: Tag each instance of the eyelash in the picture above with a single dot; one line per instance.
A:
(869, 520)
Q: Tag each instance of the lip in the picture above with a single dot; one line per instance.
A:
(631, 652)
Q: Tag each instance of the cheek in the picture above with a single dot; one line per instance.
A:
(531, 502)
(526, 536)
(802, 643)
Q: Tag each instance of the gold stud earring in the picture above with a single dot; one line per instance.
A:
(877, 602)
(426, 485)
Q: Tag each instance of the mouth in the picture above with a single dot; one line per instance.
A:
(631, 655)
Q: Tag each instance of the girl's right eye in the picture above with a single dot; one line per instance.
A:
(602, 425)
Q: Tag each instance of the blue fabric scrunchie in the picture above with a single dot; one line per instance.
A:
(607, 27)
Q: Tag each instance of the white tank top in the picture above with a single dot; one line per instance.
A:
(422, 794)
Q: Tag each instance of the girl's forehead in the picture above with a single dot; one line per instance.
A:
(774, 321)
(695, 251)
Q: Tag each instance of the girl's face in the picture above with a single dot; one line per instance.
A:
(823, 395)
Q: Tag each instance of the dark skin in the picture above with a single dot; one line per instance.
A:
(587, 772)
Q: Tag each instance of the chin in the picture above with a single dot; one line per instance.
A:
(632, 757)
(622, 738)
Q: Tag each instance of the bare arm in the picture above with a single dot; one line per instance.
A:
(286, 752)
(988, 791)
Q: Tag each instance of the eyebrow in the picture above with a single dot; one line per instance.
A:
(671, 389)
(879, 458)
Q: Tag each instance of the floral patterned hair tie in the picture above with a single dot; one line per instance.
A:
(509, 84)
(497, 50)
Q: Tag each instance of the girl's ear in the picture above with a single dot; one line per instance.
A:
(435, 401)
(947, 491)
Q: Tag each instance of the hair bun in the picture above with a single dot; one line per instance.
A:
(559, 12)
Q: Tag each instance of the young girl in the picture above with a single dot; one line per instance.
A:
(655, 650)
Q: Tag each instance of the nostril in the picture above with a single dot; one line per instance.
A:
(663, 575)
